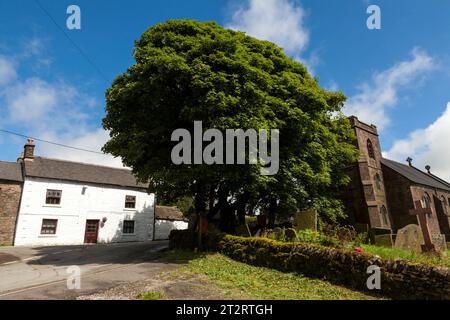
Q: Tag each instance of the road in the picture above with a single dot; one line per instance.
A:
(42, 272)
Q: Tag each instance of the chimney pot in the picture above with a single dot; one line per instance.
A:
(28, 150)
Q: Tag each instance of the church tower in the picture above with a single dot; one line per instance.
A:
(365, 196)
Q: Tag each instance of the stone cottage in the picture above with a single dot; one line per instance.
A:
(11, 183)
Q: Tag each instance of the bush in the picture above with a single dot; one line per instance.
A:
(311, 236)
(399, 279)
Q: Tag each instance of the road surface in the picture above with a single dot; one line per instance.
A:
(42, 272)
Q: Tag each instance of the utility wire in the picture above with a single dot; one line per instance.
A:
(50, 142)
(97, 69)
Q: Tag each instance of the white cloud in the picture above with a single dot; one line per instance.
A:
(7, 71)
(91, 139)
(427, 146)
(278, 21)
(30, 100)
(375, 98)
(53, 111)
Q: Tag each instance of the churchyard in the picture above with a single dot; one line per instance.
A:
(314, 255)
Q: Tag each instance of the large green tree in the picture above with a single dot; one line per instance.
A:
(188, 71)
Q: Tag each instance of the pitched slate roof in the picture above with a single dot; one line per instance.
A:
(11, 171)
(415, 175)
(169, 213)
(41, 167)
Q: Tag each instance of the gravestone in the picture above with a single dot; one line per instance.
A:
(384, 240)
(306, 220)
(433, 243)
(278, 233)
(410, 238)
(439, 242)
(290, 235)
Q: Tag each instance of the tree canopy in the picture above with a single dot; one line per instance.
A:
(188, 71)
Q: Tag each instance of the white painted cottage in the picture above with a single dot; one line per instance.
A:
(69, 203)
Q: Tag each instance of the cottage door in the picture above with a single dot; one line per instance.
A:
(91, 233)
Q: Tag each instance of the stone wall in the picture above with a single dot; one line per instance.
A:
(10, 193)
(399, 279)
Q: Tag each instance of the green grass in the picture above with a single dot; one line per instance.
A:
(248, 282)
(394, 253)
(151, 295)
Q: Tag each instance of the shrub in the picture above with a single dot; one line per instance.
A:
(344, 234)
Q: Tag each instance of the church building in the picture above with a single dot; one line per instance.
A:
(382, 192)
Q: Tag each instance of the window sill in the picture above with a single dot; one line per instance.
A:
(129, 209)
(51, 206)
(48, 236)
(128, 234)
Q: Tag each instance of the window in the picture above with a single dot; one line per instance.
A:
(128, 227)
(130, 202)
(378, 181)
(384, 216)
(53, 197)
(370, 149)
(427, 200)
(49, 226)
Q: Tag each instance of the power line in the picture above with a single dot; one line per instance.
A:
(97, 69)
(50, 142)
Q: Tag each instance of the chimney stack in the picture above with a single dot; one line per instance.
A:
(28, 150)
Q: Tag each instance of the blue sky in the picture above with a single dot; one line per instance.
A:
(397, 77)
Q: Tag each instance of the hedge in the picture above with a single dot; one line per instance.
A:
(399, 279)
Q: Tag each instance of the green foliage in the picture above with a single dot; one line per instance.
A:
(395, 253)
(188, 71)
(361, 238)
(311, 236)
(243, 281)
(151, 295)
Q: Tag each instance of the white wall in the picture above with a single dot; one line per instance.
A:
(96, 203)
(163, 228)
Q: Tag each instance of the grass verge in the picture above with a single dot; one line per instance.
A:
(243, 281)
(151, 295)
(394, 253)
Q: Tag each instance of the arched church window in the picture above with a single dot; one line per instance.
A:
(384, 216)
(370, 149)
(378, 181)
(426, 200)
(444, 206)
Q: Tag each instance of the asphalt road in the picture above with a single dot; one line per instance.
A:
(43, 272)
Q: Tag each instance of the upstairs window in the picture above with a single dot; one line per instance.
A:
(130, 202)
(53, 197)
(370, 150)
(128, 227)
(49, 226)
